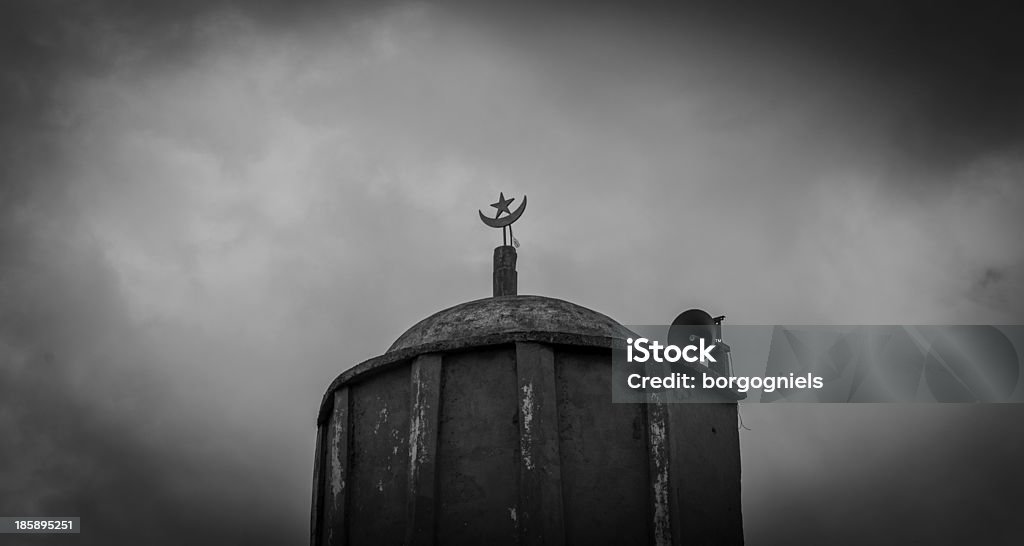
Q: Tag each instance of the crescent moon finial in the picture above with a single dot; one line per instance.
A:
(502, 207)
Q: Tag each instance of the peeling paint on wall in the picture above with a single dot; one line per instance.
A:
(337, 475)
(526, 437)
(660, 483)
(417, 432)
(382, 418)
(415, 442)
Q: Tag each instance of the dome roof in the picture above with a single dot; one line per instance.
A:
(492, 318)
(491, 321)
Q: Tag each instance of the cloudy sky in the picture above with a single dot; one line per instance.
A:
(210, 209)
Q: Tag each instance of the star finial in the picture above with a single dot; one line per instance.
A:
(502, 205)
(505, 223)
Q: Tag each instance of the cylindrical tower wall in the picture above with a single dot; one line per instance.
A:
(492, 423)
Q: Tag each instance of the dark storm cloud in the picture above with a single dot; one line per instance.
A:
(949, 67)
(88, 430)
(62, 457)
(914, 475)
(946, 72)
(953, 64)
(139, 172)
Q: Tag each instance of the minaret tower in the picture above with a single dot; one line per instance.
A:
(492, 422)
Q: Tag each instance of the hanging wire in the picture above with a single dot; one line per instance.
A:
(739, 412)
